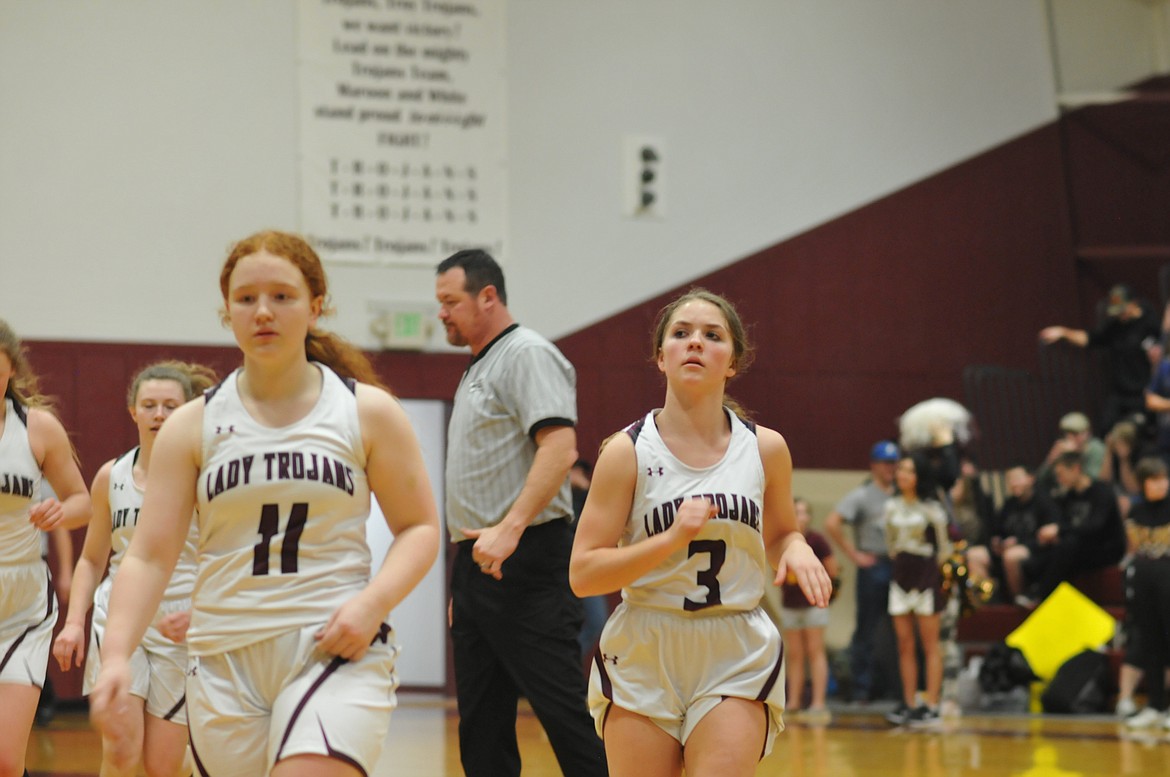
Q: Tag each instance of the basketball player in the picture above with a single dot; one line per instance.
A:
(292, 657)
(158, 665)
(690, 508)
(33, 445)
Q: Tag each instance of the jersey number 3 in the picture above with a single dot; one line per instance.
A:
(708, 577)
(270, 527)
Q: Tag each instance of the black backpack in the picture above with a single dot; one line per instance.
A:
(1080, 686)
(1003, 669)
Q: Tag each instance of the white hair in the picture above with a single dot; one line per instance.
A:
(917, 425)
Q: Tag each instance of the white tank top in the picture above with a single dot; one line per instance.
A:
(20, 488)
(125, 503)
(282, 518)
(724, 568)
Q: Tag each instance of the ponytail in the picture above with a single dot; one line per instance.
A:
(734, 406)
(341, 356)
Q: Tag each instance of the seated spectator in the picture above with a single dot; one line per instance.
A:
(1014, 524)
(1082, 531)
(971, 507)
(1123, 448)
(1076, 436)
(1157, 401)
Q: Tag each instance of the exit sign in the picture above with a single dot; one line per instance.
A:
(401, 325)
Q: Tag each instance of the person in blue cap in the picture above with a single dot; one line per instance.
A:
(862, 508)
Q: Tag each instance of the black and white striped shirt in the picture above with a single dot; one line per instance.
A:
(517, 385)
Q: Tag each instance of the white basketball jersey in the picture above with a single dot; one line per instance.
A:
(724, 567)
(20, 487)
(282, 518)
(125, 503)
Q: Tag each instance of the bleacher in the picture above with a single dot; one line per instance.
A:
(1018, 414)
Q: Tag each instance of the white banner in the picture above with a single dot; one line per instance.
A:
(403, 155)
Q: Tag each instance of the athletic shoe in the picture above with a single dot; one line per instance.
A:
(818, 716)
(1144, 719)
(923, 716)
(1125, 708)
(899, 716)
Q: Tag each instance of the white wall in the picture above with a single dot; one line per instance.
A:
(137, 140)
(420, 621)
(776, 116)
(1100, 47)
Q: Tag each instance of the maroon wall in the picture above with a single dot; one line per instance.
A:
(1118, 167)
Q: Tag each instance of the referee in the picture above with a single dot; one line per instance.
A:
(510, 444)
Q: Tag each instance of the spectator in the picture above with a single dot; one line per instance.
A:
(596, 607)
(971, 506)
(1147, 529)
(1083, 531)
(804, 630)
(1015, 524)
(1123, 449)
(1127, 331)
(1131, 671)
(863, 508)
(1076, 435)
(1157, 402)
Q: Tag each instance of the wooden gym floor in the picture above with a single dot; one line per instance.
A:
(423, 743)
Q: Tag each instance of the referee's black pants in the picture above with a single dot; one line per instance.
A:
(518, 637)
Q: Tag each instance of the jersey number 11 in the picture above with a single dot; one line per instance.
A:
(269, 528)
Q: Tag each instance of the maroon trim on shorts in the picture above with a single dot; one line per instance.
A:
(767, 689)
(340, 756)
(175, 710)
(606, 683)
(195, 757)
(334, 665)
